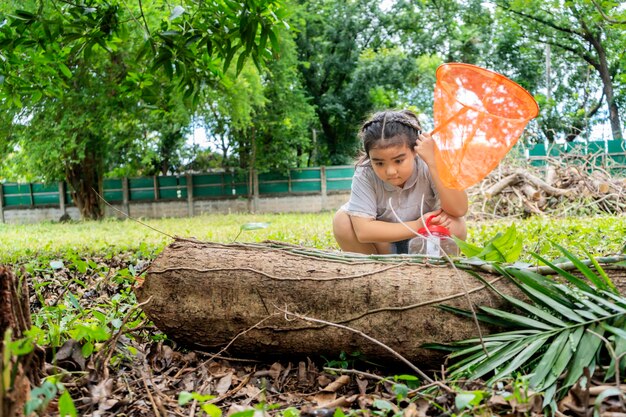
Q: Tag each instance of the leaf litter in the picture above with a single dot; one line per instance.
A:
(136, 371)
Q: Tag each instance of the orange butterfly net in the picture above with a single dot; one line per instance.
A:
(479, 115)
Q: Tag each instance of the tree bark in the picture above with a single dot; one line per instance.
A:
(206, 294)
(214, 296)
(23, 371)
(86, 181)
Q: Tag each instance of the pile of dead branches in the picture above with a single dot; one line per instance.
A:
(559, 188)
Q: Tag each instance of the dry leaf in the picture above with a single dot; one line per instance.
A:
(275, 371)
(337, 384)
(323, 380)
(223, 385)
(362, 384)
(323, 398)
(101, 391)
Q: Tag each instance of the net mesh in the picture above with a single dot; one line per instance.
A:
(479, 116)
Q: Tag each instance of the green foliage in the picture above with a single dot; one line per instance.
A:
(86, 75)
(57, 322)
(203, 401)
(468, 400)
(41, 396)
(503, 247)
(599, 234)
(583, 48)
(560, 331)
(345, 361)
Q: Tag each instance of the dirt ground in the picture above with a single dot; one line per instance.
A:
(137, 371)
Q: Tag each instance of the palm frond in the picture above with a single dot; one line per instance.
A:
(560, 329)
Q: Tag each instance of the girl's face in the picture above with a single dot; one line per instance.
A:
(394, 164)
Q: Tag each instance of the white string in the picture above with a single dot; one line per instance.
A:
(428, 232)
(456, 270)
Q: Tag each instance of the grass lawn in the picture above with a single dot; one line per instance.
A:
(600, 235)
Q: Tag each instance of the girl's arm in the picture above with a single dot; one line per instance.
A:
(373, 231)
(454, 202)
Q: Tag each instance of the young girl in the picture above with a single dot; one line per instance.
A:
(396, 173)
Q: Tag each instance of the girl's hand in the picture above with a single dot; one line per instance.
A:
(425, 149)
(442, 219)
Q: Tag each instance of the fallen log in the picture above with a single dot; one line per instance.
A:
(214, 296)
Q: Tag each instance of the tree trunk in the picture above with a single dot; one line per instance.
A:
(215, 296)
(607, 83)
(85, 179)
(22, 371)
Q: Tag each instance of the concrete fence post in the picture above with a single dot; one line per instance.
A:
(125, 196)
(1, 203)
(155, 185)
(255, 191)
(324, 187)
(62, 206)
(190, 210)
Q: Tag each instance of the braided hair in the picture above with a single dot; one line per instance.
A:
(389, 128)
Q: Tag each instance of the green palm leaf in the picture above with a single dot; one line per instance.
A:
(535, 311)
(523, 357)
(548, 359)
(619, 339)
(559, 331)
(482, 317)
(602, 273)
(586, 271)
(518, 319)
(563, 273)
(538, 283)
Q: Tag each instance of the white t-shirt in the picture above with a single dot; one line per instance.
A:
(370, 196)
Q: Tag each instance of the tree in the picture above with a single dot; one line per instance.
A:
(227, 112)
(103, 55)
(331, 37)
(280, 135)
(579, 29)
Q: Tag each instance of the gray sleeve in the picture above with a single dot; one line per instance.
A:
(362, 197)
(432, 187)
(437, 203)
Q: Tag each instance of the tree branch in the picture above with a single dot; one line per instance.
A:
(542, 21)
(605, 17)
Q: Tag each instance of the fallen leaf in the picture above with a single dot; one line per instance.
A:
(323, 380)
(362, 384)
(337, 384)
(275, 370)
(101, 391)
(323, 398)
(223, 385)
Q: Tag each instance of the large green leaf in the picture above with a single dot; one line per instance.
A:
(509, 244)
(564, 358)
(538, 283)
(533, 310)
(560, 331)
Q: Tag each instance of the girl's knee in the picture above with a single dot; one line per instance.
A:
(342, 225)
(458, 227)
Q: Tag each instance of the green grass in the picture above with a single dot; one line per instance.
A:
(600, 235)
